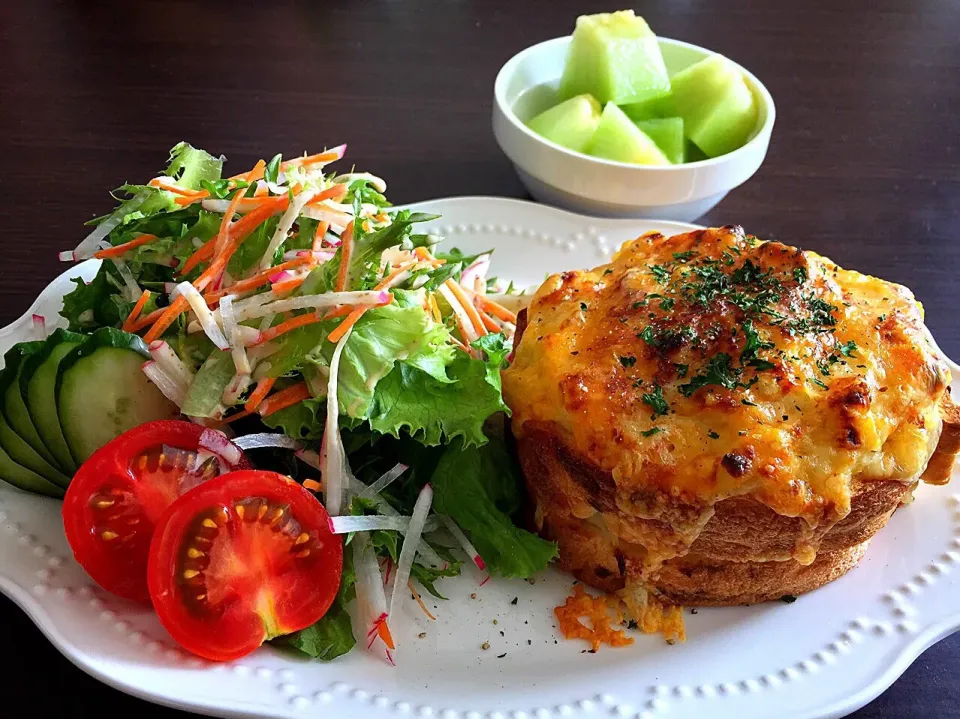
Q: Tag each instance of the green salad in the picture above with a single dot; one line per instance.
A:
(293, 309)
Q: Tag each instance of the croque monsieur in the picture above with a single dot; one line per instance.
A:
(712, 420)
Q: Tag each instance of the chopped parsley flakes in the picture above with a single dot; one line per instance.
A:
(655, 401)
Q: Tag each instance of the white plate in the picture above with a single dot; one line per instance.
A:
(829, 653)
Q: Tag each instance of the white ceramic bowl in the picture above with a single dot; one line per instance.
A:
(526, 85)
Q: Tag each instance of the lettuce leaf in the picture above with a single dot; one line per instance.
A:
(435, 412)
(190, 165)
(304, 420)
(480, 489)
(206, 390)
(381, 338)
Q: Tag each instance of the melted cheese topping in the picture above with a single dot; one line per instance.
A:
(709, 365)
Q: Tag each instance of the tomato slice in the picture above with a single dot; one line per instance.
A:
(242, 558)
(116, 497)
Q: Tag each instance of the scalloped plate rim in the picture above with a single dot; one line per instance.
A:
(35, 609)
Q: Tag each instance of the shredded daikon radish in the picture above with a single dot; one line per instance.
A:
(384, 481)
(461, 538)
(234, 338)
(335, 472)
(167, 386)
(285, 225)
(371, 597)
(330, 299)
(204, 315)
(266, 439)
(368, 523)
(405, 563)
(90, 243)
(170, 363)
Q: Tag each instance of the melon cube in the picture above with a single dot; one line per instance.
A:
(616, 58)
(648, 109)
(667, 132)
(617, 138)
(571, 123)
(718, 109)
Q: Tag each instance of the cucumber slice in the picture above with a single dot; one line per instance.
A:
(570, 124)
(617, 138)
(667, 132)
(616, 58)
(102, 392)
(26, 456)
(38, 388)
(14, 408)
(718, 109)
(25, 479)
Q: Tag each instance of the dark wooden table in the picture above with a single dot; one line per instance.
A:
(864, 165)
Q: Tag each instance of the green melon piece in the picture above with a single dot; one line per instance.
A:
(667, 132)
(617, 138)
(718, 109)
(648, 109)
(616, 58)
(571, 123)
(694, 153)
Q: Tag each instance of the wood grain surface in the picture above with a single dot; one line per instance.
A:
(864, 164)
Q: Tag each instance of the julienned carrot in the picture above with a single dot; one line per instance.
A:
(238, 233)
(346, 252)
(238, 415)
(166, 319)
(283, 399)
(177, 190)
(287, 285)
(259, 394)
(495, 309)
(202, 254)
(335, 193)
(349, 322)
(488, 322)
(118, 250)
(261, 278)
(435, 308)
(287, 326)
(312, 484)
(318, 237)
(147, 320)
(460, 344)
(223, 234)
(135, 312)
(467, 307)
(464, 332)
(326, 157)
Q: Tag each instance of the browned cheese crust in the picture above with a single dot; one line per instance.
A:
(723, 420)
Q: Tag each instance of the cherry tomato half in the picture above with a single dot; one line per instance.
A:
(242, 558)
(117, 495)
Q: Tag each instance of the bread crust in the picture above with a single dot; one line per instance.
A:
(742, 555)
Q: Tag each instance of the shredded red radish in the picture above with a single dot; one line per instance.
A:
(40, 325)
(367, 523)
(285, 225)
(204, 316)
(475, 270)
(170, 363)
(371, 597)
(215, 441)
(384, 480)
(405, 563)
(463, 541)
(167, 386)
(335, 472)
(234, 337)
(90, 243)
(281, 276)
(266, 439)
